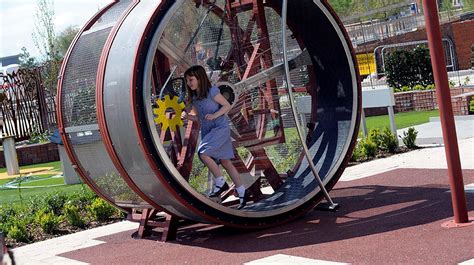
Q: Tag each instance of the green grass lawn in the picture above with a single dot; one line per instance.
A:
(402, 120)
(3, 181)
(13, 196)
(45, 182)
(8, 196)
(55, 165)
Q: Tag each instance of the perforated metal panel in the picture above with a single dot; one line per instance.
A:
(79, 111)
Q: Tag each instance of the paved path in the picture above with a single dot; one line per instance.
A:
(392, 211)
(430, 132)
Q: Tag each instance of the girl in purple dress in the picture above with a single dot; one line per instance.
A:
(209, 108)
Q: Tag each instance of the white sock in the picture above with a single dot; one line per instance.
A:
(218, 182)
(241, 191)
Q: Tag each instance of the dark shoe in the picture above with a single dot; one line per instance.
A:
(243, 201)
(219, 191)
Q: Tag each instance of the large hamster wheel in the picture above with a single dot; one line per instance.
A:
(139, 92)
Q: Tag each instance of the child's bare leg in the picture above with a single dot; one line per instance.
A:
(239, 187)
(211, 164)
(234, 174)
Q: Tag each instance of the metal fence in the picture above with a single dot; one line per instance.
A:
(25, 106)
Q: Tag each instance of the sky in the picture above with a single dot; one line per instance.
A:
(17, 19)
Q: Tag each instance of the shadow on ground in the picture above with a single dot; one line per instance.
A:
(381, 216)
(369, 210)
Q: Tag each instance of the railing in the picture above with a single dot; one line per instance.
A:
(378, 30)
(25, 106)
(372, 30)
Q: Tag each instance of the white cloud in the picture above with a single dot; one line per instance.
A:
(17, 21)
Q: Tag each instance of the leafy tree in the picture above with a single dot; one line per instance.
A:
(409, 68)
(422, 65)
(44, 38)
(26, 61)
(342, 7)
(468, 4)
(348, 7)
(64, 39)
(44, 34)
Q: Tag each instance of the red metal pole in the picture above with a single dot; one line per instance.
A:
(458, 197)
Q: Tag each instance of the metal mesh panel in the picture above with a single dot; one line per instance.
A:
(78, 95)
(79, 111)
(112, 14)
(104, 173)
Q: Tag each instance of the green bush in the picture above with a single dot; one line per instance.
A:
(409, 138)
(83, 197)
(20, 221)
(430, 87)
(471, 106)
(113, 184)
(38, 136)
(369, 148)
(388, 141)
(101, 210)
(418, 87)
(55, 202)
(358, 153)
(84, 111)
(452, 84)
(19, 232)
(73, 215)
(409, 68)
(48, 221)
(374, 136)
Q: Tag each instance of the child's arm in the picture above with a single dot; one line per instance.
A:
(219, 98)
(192, 115)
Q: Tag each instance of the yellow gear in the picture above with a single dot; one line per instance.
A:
(160, 113)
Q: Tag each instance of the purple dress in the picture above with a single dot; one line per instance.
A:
(215, 134)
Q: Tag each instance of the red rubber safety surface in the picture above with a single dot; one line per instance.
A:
(393, 217)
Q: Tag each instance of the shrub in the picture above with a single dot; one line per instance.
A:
(388, 141)
(467, 80)
(471, 106)
(83, 197)
(452, 84)
(358, 153)
(374, 136)
(55, 202)
(113, 184)
(409, 68)
(430, 87)
(418, 87)
(423, 70)
(19, 232)
(84, 112)
(369, 148)
(409, 138)
(37, 136)
(48, 221)
(101, 210)
(73, 215)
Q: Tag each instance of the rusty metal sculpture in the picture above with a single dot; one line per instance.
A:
(25, 106)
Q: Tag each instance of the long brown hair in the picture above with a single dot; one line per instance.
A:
(203, 81)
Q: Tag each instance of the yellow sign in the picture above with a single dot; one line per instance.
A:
(366, 63)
